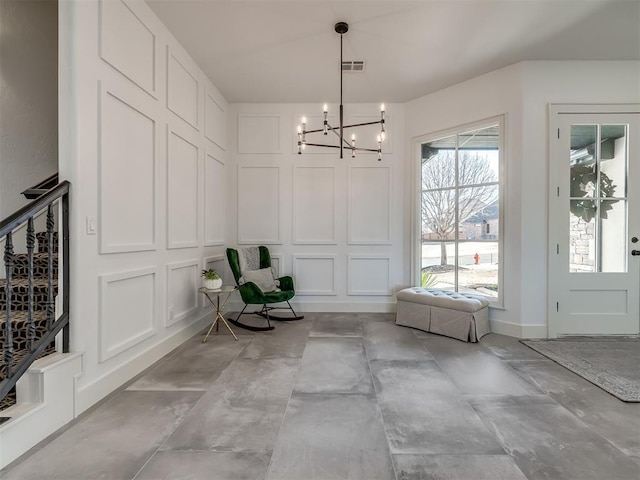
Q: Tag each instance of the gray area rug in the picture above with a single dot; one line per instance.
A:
(611, 363)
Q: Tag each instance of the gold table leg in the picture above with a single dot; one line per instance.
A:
(219, 309)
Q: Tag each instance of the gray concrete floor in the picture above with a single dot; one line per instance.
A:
(347, 396)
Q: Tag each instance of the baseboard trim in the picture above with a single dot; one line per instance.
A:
(333, 307)
(90, 394)
(517, 330)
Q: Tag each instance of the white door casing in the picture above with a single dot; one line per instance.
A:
(594, 279)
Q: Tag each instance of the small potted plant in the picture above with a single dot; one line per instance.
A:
(212, 280)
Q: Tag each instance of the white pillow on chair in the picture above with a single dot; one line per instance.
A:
(263, 278)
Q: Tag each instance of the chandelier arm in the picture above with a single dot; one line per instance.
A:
(377, 122)
(324, 145)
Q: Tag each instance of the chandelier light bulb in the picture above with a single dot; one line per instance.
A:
(382, 108)
(325, 108)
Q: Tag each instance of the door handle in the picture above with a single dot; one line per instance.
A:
(635, 253)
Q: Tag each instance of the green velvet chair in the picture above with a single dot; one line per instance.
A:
(252, 294)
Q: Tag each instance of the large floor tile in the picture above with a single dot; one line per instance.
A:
(242, 411)
(457, 467)
(288, 340)
(112, 442)
(387, 341)
(334, 365)
(615, 420)
(424, 413)
(191, 465)
(329, 436)
(509, 348)
(475, 370)
(548, 442)
(336, 325)
(194, 365)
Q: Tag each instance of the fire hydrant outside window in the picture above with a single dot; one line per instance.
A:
(476, 259)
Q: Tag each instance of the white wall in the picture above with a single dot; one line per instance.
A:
(142, 140)
(523, 92)
(28, 98)
(335, 224)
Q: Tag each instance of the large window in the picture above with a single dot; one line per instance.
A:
(460, 210)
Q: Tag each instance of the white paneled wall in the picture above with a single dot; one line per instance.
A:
(143, 142)
(336, 223)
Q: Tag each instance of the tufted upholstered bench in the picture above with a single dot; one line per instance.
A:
(454, 314)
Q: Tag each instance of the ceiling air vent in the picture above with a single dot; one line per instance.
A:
(353, 66)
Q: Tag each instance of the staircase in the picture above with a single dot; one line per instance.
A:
(43, 284)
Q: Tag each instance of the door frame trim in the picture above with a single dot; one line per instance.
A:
(555, 110)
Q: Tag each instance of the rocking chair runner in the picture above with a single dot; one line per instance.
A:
(252, 294)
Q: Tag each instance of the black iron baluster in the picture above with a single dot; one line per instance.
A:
(50, 305)
(31, 243)
(8, 347)
(66, 272)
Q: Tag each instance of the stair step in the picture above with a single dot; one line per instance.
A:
(43, 242)
(40, 265)
(20, 293)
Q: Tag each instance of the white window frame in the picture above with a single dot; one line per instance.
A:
(416, 192)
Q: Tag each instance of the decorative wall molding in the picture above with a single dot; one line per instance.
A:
(259, 205)
(369, 215)
(183, 90)
(258, 133)
(183, 281)
(314, 202)
(127, 310)
(127, 204)
(315, 274)
(128, 44)
(369, 275)
(214, 200)
(215, 121)
(277, 263)
(183, 202)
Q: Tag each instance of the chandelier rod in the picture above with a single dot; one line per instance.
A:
(341, 107)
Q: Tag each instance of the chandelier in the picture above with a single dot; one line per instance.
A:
(343, 143)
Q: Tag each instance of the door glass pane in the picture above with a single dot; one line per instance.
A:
(598, 206)
(583, 161)
(582, 235)
(613, 257)
(613, 165)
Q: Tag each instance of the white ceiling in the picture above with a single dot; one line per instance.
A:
(287, 51)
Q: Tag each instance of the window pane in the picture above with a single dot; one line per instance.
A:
(438, 214)
(478, 213)
(437, 267)
(438, 163)
(478, 268)
(582, 236)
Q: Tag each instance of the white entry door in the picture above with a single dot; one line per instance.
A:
(594, 224)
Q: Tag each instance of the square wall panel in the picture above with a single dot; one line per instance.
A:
(258, 133)
(182, 90)
(369, 275)
(258, 205)
(215, 122)
(182, 192)
(127, 181)
(369, 206)
(183, 281)
(315, 274)
(314, 193)
(214, 200)
(127, 310)
(127, 44)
